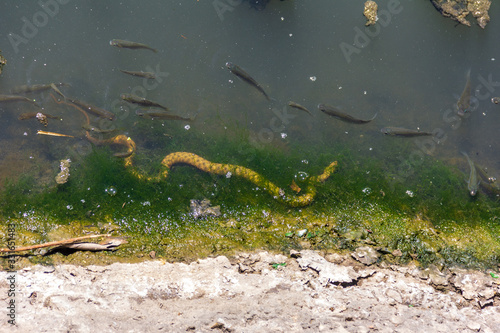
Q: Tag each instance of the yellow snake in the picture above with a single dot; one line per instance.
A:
(227, 170)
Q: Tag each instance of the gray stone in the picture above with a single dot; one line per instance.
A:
(334, 258)
(436, 277)
(328, 272)
(366, 255)
(472, 284)
(203, 208)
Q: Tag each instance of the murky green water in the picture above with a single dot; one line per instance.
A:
(396, 193)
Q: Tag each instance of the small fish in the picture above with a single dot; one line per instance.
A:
(239, 72)
(54, 134)
(491, 189)
(130, 45)
(463, 103)
(162, 115)
(484, 175)
(399, 131)
(473, 182)
(334, 112)
(54, 87)
(298, 106)
(98, 130)
(134, 99)
(37, 88)
(31, 115)
(146, 75)
(16, 98)
(495, 100)
(93, 109)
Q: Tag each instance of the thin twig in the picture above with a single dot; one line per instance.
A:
(56, 243)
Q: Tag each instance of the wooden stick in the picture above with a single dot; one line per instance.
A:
(56, 243)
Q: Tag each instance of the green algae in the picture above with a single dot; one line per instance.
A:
(424, 217)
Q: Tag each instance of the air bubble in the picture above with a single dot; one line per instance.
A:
(111, 191)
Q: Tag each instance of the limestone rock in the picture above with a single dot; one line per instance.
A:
(473, 285)
(329, 272)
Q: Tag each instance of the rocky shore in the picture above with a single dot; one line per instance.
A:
(306, 291)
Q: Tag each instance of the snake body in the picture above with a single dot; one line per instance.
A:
(230, 170)
(227, 170)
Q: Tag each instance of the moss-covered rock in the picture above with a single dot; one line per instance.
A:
(458, 10)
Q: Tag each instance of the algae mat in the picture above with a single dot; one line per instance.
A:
(434, 223)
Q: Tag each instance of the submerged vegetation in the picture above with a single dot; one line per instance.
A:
(425, 217)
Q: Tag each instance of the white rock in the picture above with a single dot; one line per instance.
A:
(475, 326)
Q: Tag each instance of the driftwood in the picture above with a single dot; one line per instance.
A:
(63, 243)
(109, 244)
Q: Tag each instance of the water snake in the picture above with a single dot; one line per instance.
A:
(230, 170)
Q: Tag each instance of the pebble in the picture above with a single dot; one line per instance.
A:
(397, 253)
(366, 255)
(395, 295)
(294, 254)
(301, 232)
(397, 320)
(334, 258)
(475, 326)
